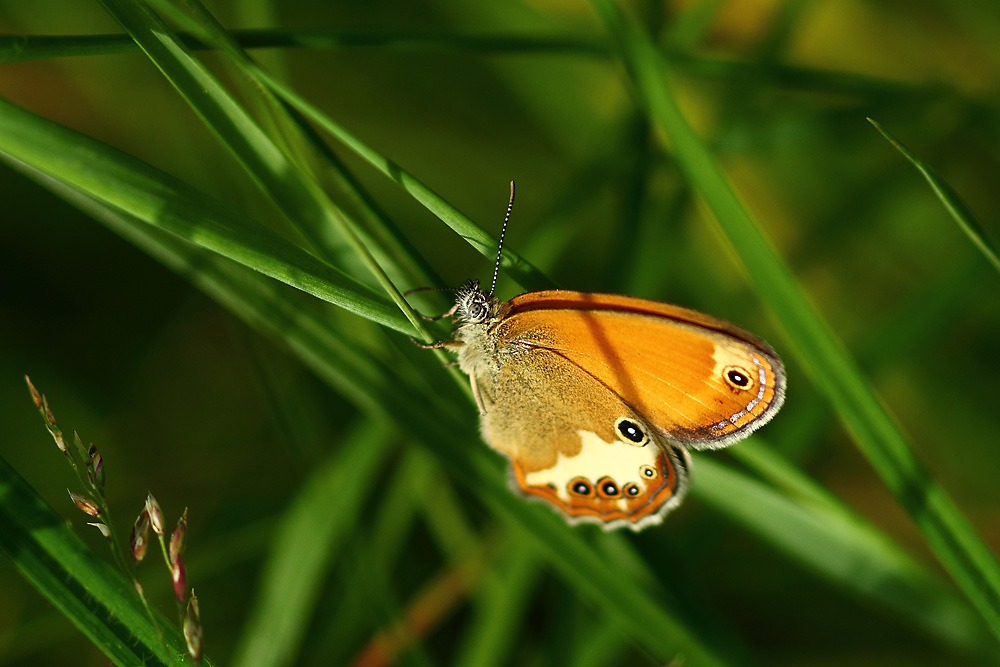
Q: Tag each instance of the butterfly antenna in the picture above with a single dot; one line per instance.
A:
(503, 230)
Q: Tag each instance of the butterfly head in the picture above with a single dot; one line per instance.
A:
(474, 306)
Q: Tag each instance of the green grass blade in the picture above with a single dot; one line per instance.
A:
(962, 552)
(385, 538)
(243, 136)
(294, 191)
(153, 196)
(284, 182)
(312, 532)
(840, 547)
(615, 591)
(381, 236)
(22, 48)
(88, 591)
(770, 465)
(513, 264)
(956, 207)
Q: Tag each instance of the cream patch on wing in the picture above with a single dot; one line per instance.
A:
(597, 459)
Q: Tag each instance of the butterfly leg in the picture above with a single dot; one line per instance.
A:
(477, 396)
(435, 318)
(438, 345)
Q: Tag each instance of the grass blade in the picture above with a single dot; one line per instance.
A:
(295, 192)
(956, 207)
(22, 48)
(516, 266)
(960, 549)
(843, 549)
(157, 198)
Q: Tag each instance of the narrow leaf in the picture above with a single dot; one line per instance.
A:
(956, 207)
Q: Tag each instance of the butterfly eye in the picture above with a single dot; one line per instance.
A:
(649, 472)
(477, 310)
(630, 432)
(607, 488)
(737, 378)
(581, 487)
(631, 490)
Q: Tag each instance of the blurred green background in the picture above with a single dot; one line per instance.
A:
(187, 401)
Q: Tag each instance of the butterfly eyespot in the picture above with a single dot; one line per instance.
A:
(631, 490)
(581, 487)
(737, 377)
(649, 472)
(607, 488)
(630, 432)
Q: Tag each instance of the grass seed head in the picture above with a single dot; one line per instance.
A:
(84, 504)
(193, 635)
(139, 541)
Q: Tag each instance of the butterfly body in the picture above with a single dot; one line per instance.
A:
(595, 398)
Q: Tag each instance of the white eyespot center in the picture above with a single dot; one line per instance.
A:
(631, 432)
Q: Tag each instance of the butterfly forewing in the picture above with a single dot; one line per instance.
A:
(699, 381)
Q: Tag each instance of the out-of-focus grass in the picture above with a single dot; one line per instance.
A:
(435, 534)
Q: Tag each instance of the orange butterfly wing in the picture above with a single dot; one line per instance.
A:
(561, 429)
(695, 379)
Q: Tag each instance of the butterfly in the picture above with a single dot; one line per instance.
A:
(597, 398)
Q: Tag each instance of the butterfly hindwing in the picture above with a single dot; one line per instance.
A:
(575, 444)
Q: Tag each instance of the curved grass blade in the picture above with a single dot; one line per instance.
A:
(381, 236)
(384, 540)
(22, 48)
(839, 546)
(295, 192)
(137, 188)
(955, 542)
(88, 591)
(515, 266)
(956, 207)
